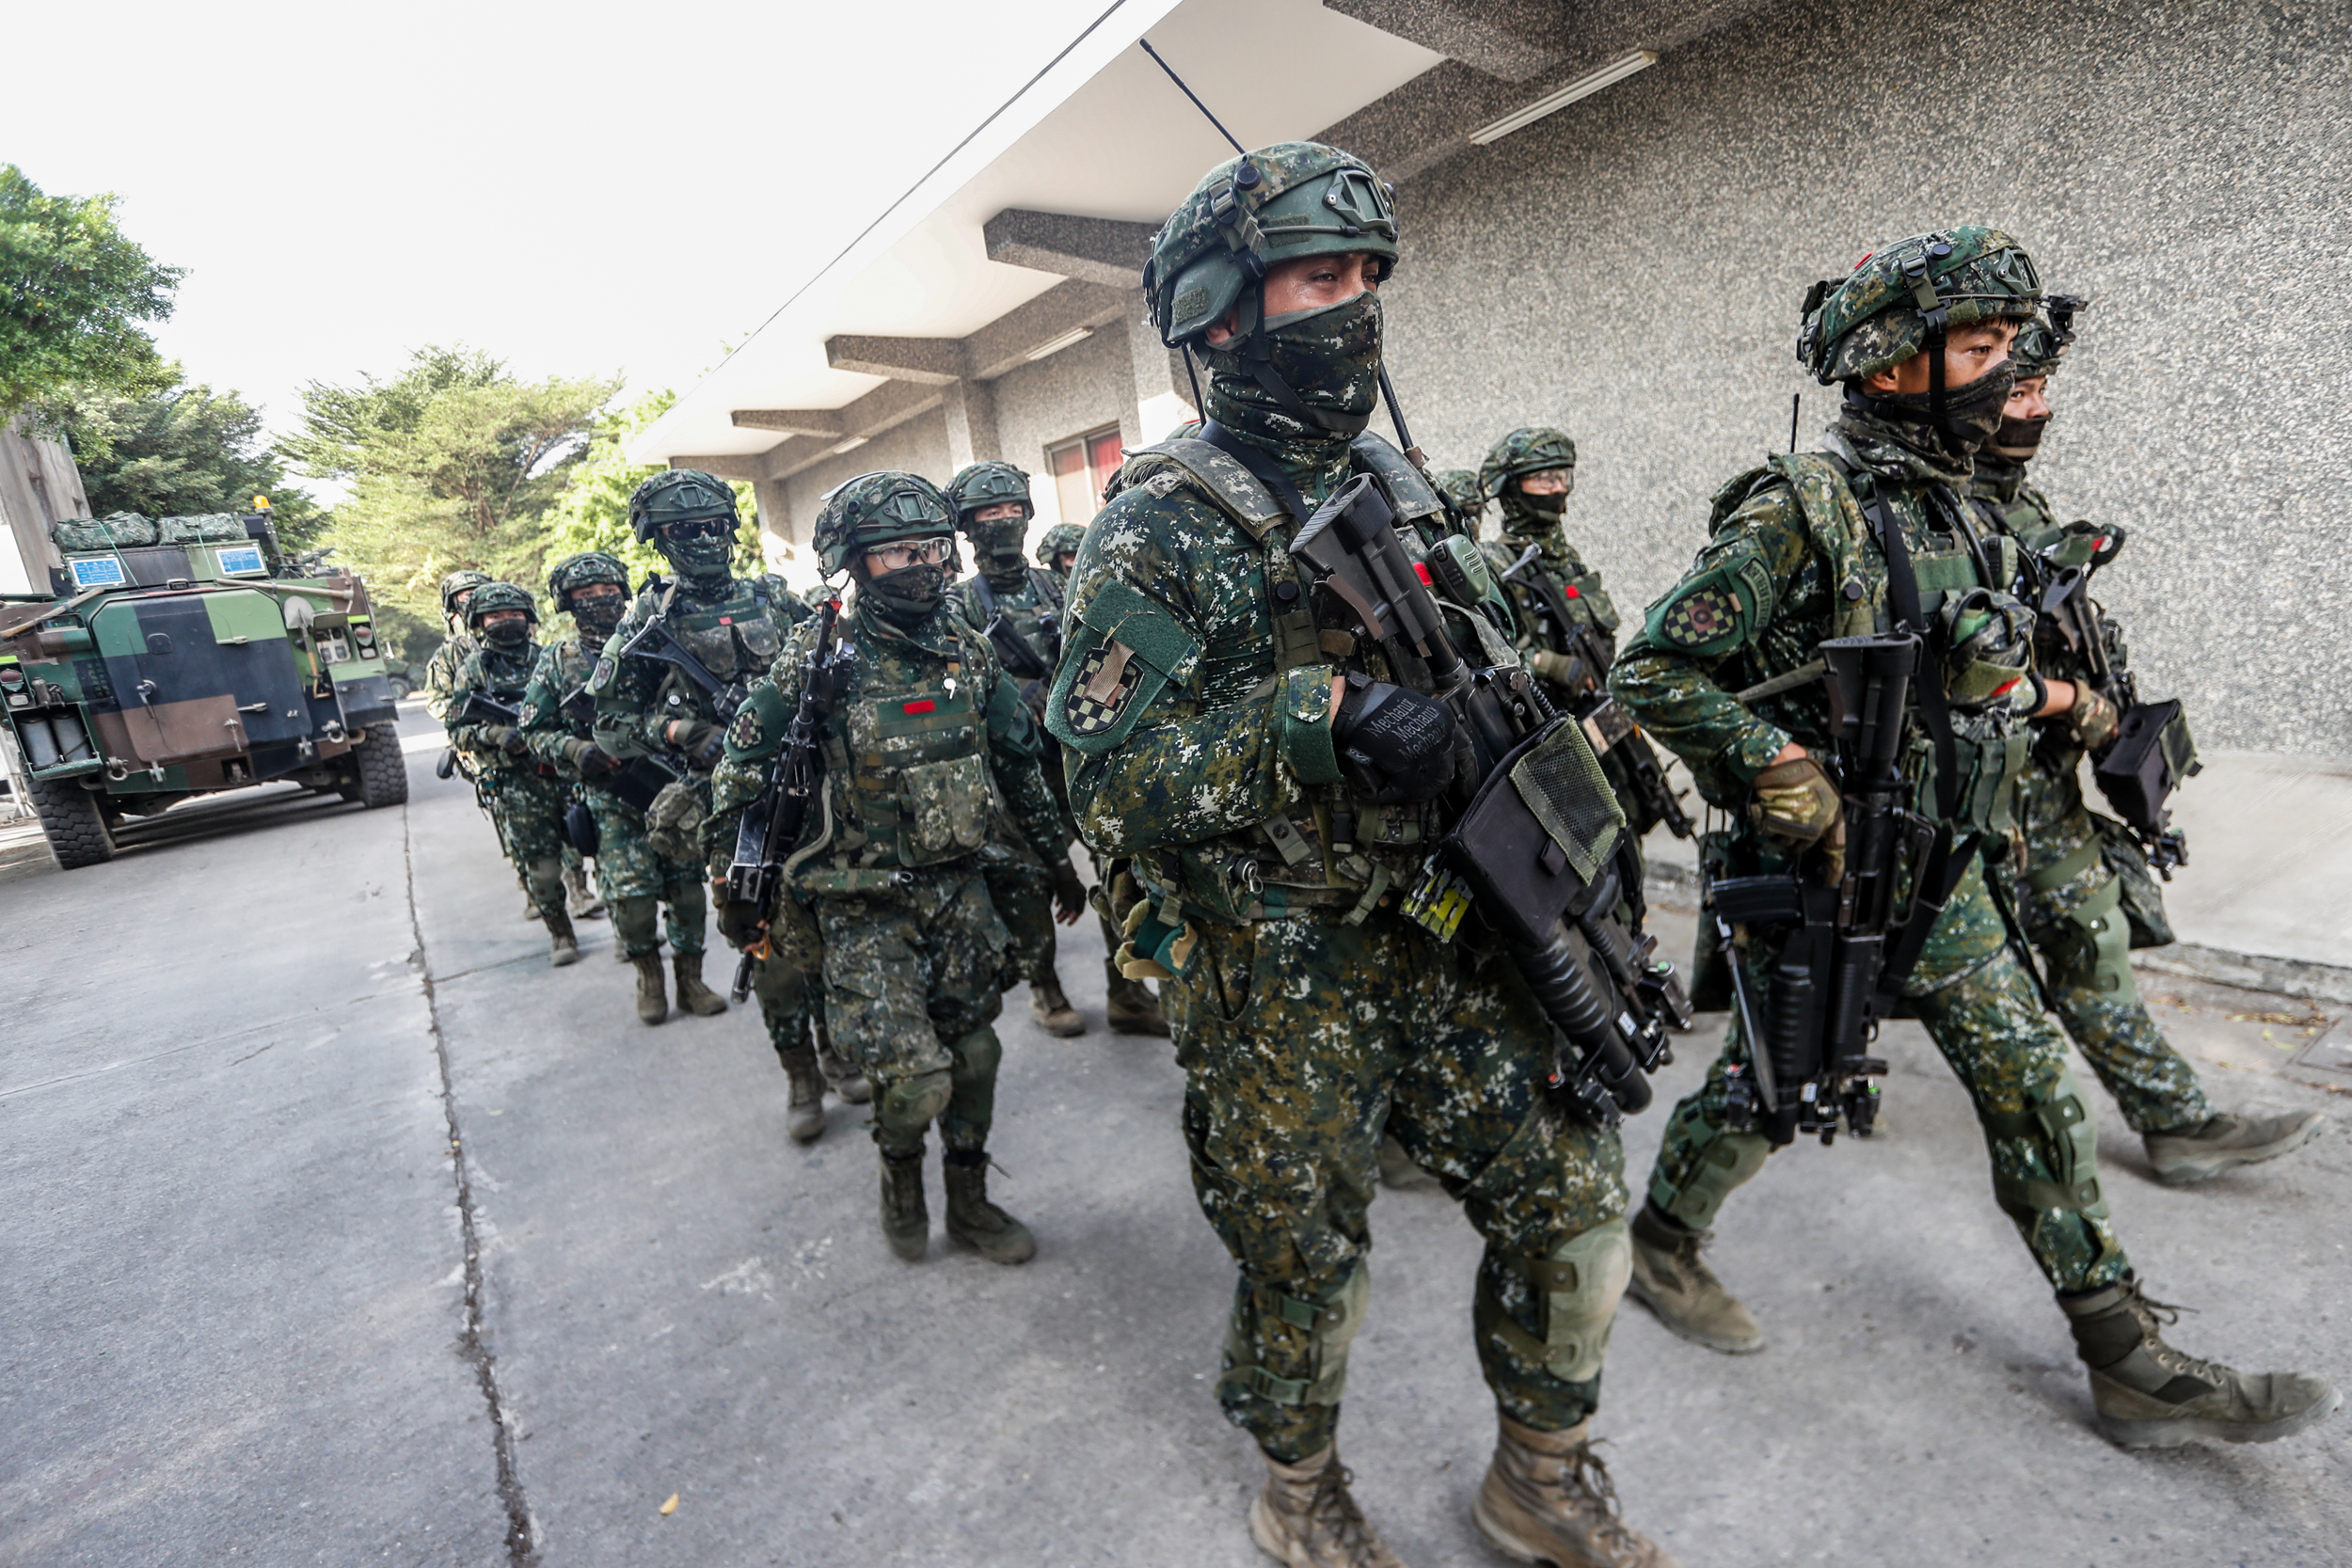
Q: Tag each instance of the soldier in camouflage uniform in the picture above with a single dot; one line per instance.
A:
(1464, 494)
(1057, 550)
(733, 627)
(926, 731)
(1018, 607)
(1205, 715)
(1919, 335)
(2082, 886)
(525, 798)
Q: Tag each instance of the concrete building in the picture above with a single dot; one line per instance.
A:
(1629, 261)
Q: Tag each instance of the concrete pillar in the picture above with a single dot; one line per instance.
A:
(970, 408)
(775, 513)
(1163, 396)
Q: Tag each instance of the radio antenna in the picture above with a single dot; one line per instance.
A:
(1796, 401)
(1189, 93)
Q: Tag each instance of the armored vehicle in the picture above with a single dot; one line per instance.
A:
(185, 656)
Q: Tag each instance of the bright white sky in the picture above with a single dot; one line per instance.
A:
(583, 189)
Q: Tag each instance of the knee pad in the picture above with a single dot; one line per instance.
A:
(1727, 1163)
(2058, 1127)
(2097, 956)
(910, 1105)
(636, 921)
(1330, 1325)
(1577, 1287)
(977, 1054)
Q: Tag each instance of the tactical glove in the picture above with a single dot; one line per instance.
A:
(704, 744)
(2092, 721)
(1069, 894)
(591, 760)
(510, 740)
(1558, 669)
(739, 920)
(1395, 745)
(1795, 803)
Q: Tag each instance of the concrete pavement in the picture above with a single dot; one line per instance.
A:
(234, 1293)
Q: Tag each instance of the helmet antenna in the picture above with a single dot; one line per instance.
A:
(1194, 96)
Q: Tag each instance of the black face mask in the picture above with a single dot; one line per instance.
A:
(910, 595)
(1327, 360)
(507, 634)
(1544, 510)
(597, 617)
(2018, 439)
(1971, 413)
(1006, 569)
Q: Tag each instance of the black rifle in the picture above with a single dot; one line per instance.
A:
(482, 708)
(1809, 1063)
(1521, 787)
(2153, 750)
(772, 822)
(654, 641)
(1019, 657)
(638, 779)
(1609, 727)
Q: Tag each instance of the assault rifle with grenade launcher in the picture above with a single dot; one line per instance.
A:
(772, 822)
(1607, 725)
(1536, 835)
(638, 779)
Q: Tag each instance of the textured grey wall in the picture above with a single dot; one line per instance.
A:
(919, 446)
(1085, 387)
(1631, 268)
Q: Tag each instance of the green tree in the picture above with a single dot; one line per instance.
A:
(452, 463)
(71, 288)
(182, 449)
(592, 512)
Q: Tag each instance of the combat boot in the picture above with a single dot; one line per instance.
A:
(2188, 1154)
(1306, 1516)
(975, 1221)
(804, 1108)
(653, 1003)
(1674, 1283)
(847, 1079)
(1052, 1010)
(1132, 1010)
(906, 1221)
(1548, 1499)
(562, 946)
(693, 995)
(579, 897)
(1397, 1170)
(2152, 1395)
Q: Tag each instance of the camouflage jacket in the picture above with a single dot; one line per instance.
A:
(1580, 594)
(1027, 609)
(736, 634)
(556, 736)
(1791, 563)
(441, 673)
(1194, 694)
(927, 721)
(502, 676)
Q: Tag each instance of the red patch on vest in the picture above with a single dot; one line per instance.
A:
(921, 705)
(1421, 567)
(726, 620)
(1569, 591)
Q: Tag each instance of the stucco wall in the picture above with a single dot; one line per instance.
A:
(919, 446)
(1087, 386)
(1631, 268)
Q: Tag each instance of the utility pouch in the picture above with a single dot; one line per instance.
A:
(944, 809)
(1538, 835)
(2153, 752)
(579, 827)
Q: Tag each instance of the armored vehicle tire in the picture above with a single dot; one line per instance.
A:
(379, 770)
(76, 826)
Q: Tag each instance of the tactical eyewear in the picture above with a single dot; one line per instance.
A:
(899, 557)
(699, 528)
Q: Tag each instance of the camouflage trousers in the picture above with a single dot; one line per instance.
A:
(639, 880)
(789, 980)
(1057, 786)
(1300, 1040)
(2068, 899)
(1022, 889)
(527, 808)
(910, 995)
(1981, 1007)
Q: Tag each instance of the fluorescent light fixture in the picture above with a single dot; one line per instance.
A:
(1054, 345)
(850, 445)
(1585, 85)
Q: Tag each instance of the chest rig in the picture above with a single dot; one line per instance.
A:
(737, 639)
(1339, 852)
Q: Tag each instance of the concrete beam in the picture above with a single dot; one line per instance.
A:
(886, 408)
(1105, 252)
(1007, 342)
(793, 422)
(928, 361)
(1513, 41)
(750, 467)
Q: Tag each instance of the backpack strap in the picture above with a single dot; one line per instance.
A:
(1834, 519)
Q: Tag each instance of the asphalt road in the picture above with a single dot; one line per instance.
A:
(343, 1229)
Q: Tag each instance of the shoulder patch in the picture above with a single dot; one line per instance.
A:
(530, 715)
(1101, 689)
(1698, 618)
(1163, 482)
(1146, 627)
(744, 734)
(600, 678)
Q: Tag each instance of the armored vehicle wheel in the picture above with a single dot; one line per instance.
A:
(76, 826)
(380, 773)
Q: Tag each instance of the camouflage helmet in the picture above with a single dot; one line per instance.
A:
(2043, 340)
(578, 571)
(1278, 203)
(678, 496)
(874, 508)
(460, 583)
(1530, 450)
(500, 596)
(1060, 540)
(1898, 297)
(979, 484)
(1461, 487)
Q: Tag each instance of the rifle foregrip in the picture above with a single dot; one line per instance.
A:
(741, 988)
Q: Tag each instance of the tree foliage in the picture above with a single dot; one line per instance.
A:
(452, 463)
(592, 512)
(178, 450)
(72, 287)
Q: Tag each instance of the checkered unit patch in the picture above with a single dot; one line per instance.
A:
(1699, 618)
(1106, 682)
(744, 734)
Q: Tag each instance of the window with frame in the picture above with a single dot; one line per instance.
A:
(1080, 467)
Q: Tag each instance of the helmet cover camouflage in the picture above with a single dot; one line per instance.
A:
(1060, 540)
(458, 582)
(875, 509)
(578, 571)
(1875, 317)
(678, 496)
(1462, 487)
(984, 484)
(1276, 204)
(500, 596)
(1531, 449)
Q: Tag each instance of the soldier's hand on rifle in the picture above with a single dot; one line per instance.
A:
(702, 743)
(738, 921)
(1070, 893)
(510, 741)
(2091, 718)
(591, 760)
(1795, 803)
(1395, 745)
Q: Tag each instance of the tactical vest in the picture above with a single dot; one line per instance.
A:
(737, 639)
(506, 681)
(1341, 852)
